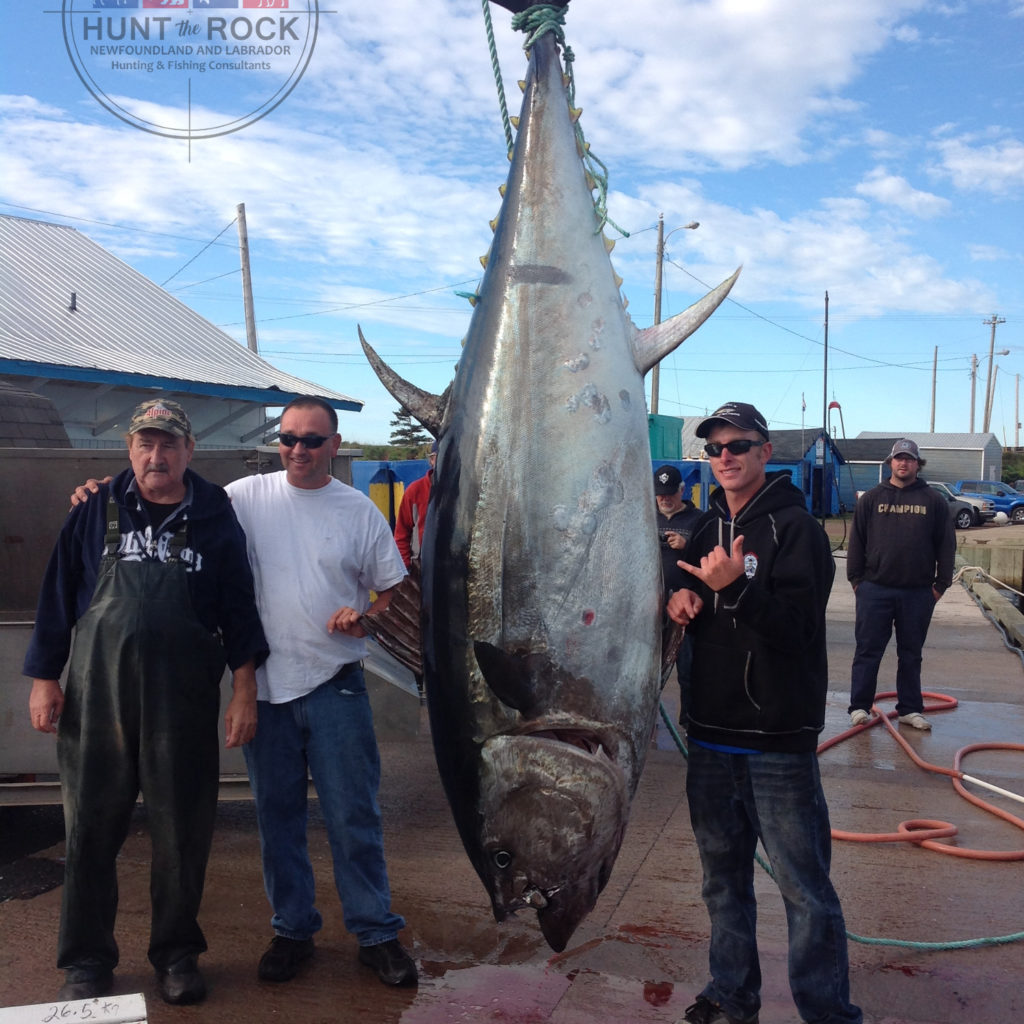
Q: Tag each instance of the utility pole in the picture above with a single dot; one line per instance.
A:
(824, 417)
(656, 369)
(935, 370)
(974, 386)
(991, 399)
(1016, 415)
(993, 323)
(250, 314)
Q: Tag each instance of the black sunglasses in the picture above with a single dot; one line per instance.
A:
(310, 441)
(740, 446)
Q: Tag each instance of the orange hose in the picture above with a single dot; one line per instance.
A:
(922, 831)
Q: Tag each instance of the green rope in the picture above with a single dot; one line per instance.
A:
(493, 51)
(992, 940)
(537, 21)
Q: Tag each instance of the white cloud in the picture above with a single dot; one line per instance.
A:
(973, 164)
(989, 254)
(906, 34)
(893, 190)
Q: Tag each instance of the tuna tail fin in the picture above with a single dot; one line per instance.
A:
(652, 344)
(397, 628)
(427, 408)
(671, 638)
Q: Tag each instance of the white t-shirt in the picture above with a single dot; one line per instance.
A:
(312, 552)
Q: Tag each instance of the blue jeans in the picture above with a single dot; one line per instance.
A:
(330, 732)
(879, 608)
(735, 799)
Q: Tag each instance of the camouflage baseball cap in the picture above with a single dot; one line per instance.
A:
(161, 414)
(904, 447)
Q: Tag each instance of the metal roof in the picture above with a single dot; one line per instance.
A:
(968, 441)
(70, 310)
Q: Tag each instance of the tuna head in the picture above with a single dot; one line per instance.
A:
(552, 818)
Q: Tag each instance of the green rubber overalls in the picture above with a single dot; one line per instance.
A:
(141, 713)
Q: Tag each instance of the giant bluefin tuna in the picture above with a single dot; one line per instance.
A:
(541, 582)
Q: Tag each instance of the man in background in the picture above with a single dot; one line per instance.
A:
(900, 563)
(412, 513)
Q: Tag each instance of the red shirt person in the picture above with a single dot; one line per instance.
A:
(412, 513)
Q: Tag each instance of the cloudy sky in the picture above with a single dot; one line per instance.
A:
(870, 149)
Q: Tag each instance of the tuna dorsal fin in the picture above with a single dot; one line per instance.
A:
(654, 343)
(426, 407)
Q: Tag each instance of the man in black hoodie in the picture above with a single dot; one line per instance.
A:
(900, 562)
(759, 571)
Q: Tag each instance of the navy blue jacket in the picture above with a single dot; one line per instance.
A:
(682, 522)
(219, 576)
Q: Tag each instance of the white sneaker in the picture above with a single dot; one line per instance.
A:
(915, 720)
(859, 717)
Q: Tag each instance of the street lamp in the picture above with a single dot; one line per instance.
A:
(662, 238)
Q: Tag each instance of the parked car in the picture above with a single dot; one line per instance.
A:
(1003, 496)
(963, 512)
(984, 509)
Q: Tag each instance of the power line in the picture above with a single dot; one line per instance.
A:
(198, 254)
(796, 334)
(103, 223)
(359, 305)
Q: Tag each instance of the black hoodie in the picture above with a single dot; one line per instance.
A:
(760, 664)
(902, 537)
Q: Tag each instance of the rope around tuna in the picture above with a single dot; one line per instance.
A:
(537, 21)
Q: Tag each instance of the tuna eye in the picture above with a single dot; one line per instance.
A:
(502, 859)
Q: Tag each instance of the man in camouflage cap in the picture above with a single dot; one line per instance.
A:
(153, 580)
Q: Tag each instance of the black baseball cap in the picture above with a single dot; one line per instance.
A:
(736, 414)
(667, 480)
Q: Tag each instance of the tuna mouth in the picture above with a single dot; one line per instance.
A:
(593, 742)
(583, 739)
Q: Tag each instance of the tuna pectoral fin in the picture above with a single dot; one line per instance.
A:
(426, 407)
(510, 677)
(397, 628)
(654, 343)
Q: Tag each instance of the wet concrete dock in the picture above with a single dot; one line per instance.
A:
(641, 956)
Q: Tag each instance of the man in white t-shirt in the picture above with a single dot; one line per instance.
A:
(318, 548)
